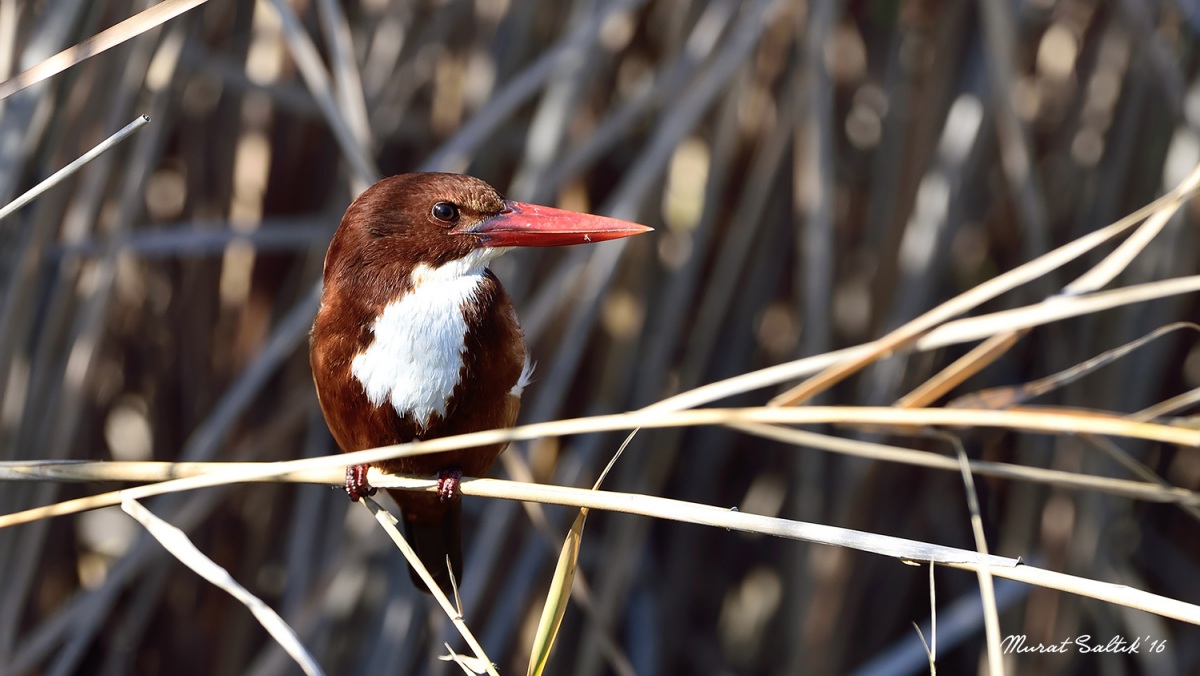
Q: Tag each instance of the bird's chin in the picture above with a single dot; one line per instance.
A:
(471, 264)
(488, 254)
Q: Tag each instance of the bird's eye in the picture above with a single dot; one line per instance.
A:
(445, 212)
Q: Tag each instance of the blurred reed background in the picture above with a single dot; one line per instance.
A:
(818, 173)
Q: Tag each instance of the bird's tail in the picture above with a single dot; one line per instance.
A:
(436, 537)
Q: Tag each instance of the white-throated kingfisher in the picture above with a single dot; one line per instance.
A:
(417, 339)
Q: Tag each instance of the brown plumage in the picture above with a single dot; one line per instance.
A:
(416, 339)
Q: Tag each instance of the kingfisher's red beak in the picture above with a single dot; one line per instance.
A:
(523, 224)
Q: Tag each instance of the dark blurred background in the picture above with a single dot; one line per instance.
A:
(818, 173)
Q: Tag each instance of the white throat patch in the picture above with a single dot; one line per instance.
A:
(415, 361)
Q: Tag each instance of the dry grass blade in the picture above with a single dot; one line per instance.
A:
(631, 504)
(1140, 470)
(1139, 490)
(931, 648)
(1006, 397)
(146, 472)
(128, 29)
(900, 548)
(468, 664)
(930, 654)
(1055, 309)
(987, 588)
(996, 346)
(968, 300)
(62, 174)
(1118, 261)
(621, 502)
(1119, 594)
(951, 333)
(1165, 408)
(1044, 421)
(388, 523)
(958, 372)
(177, 542)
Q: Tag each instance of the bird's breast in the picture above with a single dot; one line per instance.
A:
(443, 356)
(415, 360)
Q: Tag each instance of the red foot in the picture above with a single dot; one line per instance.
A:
(356, 483)
(448, 484)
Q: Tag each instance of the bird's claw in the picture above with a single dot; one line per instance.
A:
(448, 484)
(356, 483)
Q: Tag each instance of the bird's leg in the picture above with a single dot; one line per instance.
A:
(356, 483)
(448, 484)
